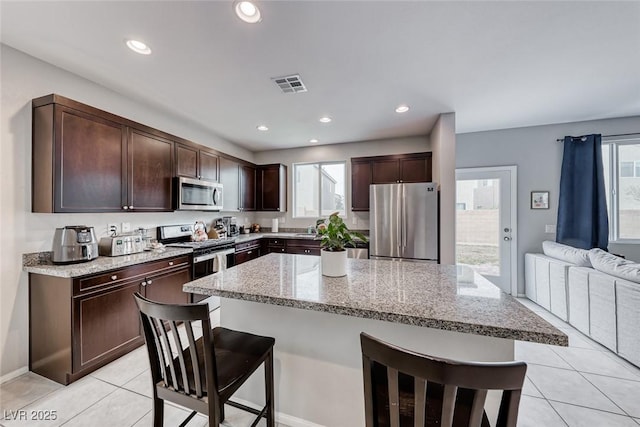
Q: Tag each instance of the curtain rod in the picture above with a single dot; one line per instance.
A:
(604, 136)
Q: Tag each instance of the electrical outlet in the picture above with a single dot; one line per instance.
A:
(550, 228)
(354, 220)
(125, 227)
(282, 220)
(112, 229)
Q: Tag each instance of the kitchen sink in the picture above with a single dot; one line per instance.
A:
(306, 235)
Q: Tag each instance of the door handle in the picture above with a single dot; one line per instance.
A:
(507, 238)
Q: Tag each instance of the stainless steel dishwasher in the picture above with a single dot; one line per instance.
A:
(361, 251)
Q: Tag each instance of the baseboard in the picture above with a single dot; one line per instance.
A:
(288, 420)
(14, 374)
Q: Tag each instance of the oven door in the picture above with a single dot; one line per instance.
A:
(211, 263)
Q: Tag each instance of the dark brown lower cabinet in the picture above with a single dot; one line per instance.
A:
(303, 247)
(77, 325)
(247, 251)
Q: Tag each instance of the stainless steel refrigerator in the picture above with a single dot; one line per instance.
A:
(403, 221)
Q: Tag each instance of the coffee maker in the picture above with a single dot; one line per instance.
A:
(231, 225)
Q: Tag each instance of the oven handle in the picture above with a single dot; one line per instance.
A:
(213, 255)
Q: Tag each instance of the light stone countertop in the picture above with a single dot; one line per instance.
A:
(41, 264)
(436, 296)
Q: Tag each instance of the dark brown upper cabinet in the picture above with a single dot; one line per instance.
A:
(247, 188)
(399, 168)
(86, 160)
(272, 188)
(194, 163)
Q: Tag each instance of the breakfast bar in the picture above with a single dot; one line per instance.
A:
(446, 311)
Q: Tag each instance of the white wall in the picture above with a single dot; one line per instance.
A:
(22, 79)
(334, 152)
(539, 159)
(443, 141)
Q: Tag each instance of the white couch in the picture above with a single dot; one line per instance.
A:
(600, 305)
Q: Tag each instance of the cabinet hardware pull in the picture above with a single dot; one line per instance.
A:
(114, 277)
(130, 207)
(170, 262)
(149, 282)
(125, 207)
(144, 283)
(249, 253)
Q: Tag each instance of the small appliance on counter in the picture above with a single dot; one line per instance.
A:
(118, 245)
(231, 225)
(73, 244)
(220, 228)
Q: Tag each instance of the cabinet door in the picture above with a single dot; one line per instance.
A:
(360, 181)
(247, 188)
(90, 175)
(186, 161)
(209, 167)
(385, 171)
(167, 287)
(416, 169)
(106, 325)
(272, 188)
(230, 180)
(150, 172)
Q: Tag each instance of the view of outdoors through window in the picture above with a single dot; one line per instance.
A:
(478, 225)
(319, 189)
(624, 204)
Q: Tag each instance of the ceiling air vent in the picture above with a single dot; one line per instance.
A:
(290, 84)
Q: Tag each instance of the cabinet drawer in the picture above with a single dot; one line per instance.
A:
(247, 245)
(117, 276)
(301, 250)
(276, 243)
(304, 243)
(247, 255)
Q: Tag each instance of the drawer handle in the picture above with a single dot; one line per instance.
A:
(170, 262)
(114, 277)
(149, 282)
(144, 283)
(249, 253)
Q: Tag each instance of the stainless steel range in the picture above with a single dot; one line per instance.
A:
(209, 256)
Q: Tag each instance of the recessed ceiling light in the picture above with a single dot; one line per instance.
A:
(313, 140)
(325, 119)
(138, 47)
(402, 108)
(247, 11)
(262, 128)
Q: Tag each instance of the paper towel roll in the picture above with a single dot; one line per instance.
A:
(274, 225)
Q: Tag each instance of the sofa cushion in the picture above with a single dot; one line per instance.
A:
(614, 265)
(579, 257)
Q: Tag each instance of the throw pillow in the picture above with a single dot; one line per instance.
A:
(577, 256)
(614, 265)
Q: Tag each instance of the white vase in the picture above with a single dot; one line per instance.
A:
(334, 264)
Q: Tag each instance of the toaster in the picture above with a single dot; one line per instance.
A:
(121, 245)
(74, 243)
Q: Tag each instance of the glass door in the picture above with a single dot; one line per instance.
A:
(485, 223)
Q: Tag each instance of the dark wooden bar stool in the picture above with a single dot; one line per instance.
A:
(403, 388)
(201, 374)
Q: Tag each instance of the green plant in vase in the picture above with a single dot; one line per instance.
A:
(334, 237)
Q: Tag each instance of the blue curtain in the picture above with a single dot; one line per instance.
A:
(582, 207)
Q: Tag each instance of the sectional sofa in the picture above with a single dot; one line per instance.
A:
(596, 292)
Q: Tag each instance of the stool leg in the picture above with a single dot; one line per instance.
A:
(158, 412)
(269, 394)
(221, 413)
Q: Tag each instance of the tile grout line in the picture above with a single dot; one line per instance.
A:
(549, 403)
(624, 368)
(593, 409)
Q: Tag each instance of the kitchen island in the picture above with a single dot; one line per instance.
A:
(445, 311)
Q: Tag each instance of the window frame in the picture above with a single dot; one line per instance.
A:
(319, 164)
(613, 144)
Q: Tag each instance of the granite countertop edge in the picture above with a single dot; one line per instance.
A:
(443, 324)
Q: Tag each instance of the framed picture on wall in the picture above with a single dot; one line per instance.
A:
(539, 200)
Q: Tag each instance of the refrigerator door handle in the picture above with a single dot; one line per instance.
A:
(404, 218)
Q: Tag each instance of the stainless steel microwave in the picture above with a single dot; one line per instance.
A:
(196, 195)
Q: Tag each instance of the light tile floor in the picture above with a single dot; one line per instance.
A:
(581, 385)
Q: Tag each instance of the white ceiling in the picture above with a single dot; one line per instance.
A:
(495, 64)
